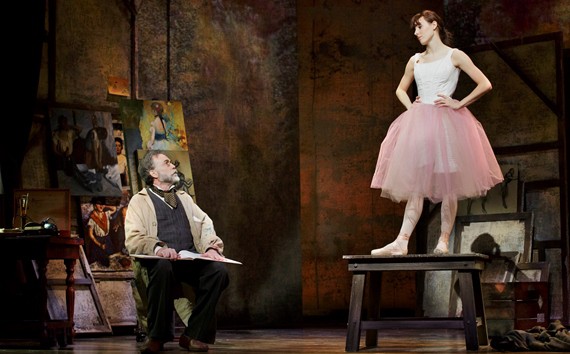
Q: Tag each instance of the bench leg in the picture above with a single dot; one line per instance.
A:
(482, 334)
(375, 284)
(355, 312)
(469, 318)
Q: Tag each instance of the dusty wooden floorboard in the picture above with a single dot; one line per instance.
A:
(277, 341)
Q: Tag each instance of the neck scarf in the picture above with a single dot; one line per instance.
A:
(169, 196)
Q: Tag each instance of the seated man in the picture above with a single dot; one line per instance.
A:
(161, 221)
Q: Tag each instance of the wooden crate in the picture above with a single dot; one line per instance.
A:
(515, 305)
(532, 306)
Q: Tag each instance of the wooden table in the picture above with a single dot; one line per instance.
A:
(468, 267)
(42, 249)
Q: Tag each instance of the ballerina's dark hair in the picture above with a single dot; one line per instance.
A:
(430, 16)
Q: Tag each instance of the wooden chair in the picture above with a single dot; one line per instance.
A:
(183, 300)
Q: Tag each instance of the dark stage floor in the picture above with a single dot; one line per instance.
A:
(311, 340)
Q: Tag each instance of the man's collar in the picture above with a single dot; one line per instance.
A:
(162, 190)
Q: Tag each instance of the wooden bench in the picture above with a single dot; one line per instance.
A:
(468, 267)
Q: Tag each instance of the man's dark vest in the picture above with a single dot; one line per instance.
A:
(173, 225)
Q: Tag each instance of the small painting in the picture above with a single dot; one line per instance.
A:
(120, 150)
(502, 198)
(104, 232)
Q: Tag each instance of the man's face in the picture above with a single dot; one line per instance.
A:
(164, 170)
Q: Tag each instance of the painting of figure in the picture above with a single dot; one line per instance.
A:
(84, 152)
(151, 125)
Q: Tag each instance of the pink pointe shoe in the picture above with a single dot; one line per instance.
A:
(441, 248)
(396, 248)
(442, 244)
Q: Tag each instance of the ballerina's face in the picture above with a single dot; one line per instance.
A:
(424, 31)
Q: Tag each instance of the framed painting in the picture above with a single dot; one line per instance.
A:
(494, 234)
(84, 152)
(120, 150)
(503, 237)
(532, 272)
(505, 197)
(103, 222)
(151, 125)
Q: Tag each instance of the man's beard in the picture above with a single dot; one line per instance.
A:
(172, 179)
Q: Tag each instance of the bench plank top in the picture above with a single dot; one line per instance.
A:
(417, 262)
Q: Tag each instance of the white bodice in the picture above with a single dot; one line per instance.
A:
(435, 77)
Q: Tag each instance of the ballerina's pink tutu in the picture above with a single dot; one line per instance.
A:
(435, 152)
(432, 152)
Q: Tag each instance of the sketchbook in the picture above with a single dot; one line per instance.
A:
(187, 256)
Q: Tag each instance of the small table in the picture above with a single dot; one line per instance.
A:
(42, 249)
(468, 267)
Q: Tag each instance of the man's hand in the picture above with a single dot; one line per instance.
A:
(169, 253)
(213, 254)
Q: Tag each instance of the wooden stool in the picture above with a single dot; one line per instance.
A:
(468, 267)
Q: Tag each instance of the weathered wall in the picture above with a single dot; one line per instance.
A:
(481, 21)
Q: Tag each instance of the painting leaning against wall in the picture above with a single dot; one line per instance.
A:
(151, 125)
(84, 152)
(104, 232)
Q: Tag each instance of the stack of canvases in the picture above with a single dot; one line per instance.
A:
(520, 300)
(515, 289)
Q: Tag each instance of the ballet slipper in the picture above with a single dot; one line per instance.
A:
(398, 247)
(442, 246)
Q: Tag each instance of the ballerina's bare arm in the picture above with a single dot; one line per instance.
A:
(405, 82)
(463, 62)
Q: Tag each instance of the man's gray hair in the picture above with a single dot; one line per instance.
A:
(146, 164)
